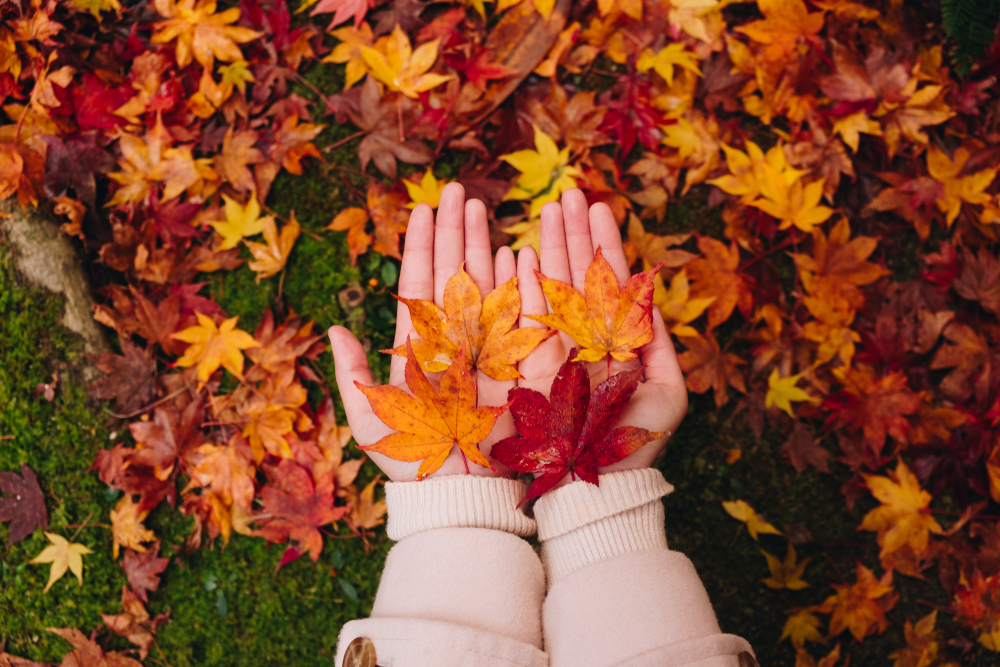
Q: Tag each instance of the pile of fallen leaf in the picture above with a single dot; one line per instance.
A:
(831, 138)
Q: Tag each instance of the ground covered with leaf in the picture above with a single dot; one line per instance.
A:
(814, 182)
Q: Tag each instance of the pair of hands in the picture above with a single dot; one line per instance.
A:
(434, 252)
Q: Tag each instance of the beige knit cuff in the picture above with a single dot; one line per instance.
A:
(580, 523)
(456, 501)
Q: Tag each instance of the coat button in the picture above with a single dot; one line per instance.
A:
(360, 653)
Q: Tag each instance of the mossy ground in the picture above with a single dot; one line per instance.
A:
(229, 606)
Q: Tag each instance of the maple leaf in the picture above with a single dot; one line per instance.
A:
(134, 623)
(169, 435)
(802, 450)
(378, 117)
(782, 392)
(342, 11)
(238, 151)
(201, 32)
(352, 220)
(366, 512)
(741, 511)
(664, 61)
(572, 431)
(716, 275)
(545, 173)
(967, 355)
(227, 471)
(576, 120)
(270, 257)
(676, 305)
(968, 189)
(64, 556)
(394, 62)
(787, 573)
(482, 327)
(852, 126)
(979, 278)
(654, 249)
(352, 38)
(606, 319)
(241, 221)
(802, 627)
(26, 509)
(150, 160)
(839, 261)
(921, 645)
(389, 218)
(210, 347)
(130, 379)
(271, 415)
(143, 570)
(804, 659)
(127, 528)
(877, 407)
(785, 23)
(706, 367)
(430, 423)
(903, 520)
(860, 607)
(297, 508)
(479, 67)
(428, 191)
(87, 652)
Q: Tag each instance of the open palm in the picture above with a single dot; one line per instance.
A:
(570, 235)
(433, 253)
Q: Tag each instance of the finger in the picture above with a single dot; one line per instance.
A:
(532, 296)
(579, 245)
(449, 238)
(659, 356)
(605, 233)
(504, 266)
(478, 253)
(351, 365)
(416, 273)
(552, 241)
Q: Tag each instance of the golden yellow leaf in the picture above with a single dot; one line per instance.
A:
(64, 556)
(211, 346)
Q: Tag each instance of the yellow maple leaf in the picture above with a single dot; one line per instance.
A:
(903, 519)
(802, 627)
(64, 556)
(352, 38)
(922, 646)
(787, 573)
(781, 392)
(201, 32)
(676, 305)
(545, 173)
(270, 257)
(969, 189)
(741, 511)
(664, 61)
(850, 128)
(241, 221)
(394, 62)
(211, 346)
(683, 136)
(528, 233)
(127, 528)
(785, 198)
(428, 191)
(861, 606)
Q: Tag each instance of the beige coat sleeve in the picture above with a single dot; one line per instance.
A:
(618, 597)
(461, 588)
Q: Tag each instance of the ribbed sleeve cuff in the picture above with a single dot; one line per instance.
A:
(580, 523)
(457, 501)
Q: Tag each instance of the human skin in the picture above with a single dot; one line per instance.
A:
(434, 251)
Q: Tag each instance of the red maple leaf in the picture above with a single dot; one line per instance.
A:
(631, 116)
(571, 433)
(143, 570)
(479, 67)
(297, 507)
(91, 104)
(343, 10)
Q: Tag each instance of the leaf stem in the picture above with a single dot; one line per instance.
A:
(89, 516)
(155, 403)
(338, 144)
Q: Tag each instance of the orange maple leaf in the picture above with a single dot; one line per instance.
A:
(606, 319)
(352, 220)
(785, 23)
(877, 407)
(390, 217)
(429, 423)
(716, 275)
(860, 607)
(903, 518)
(200, 31)
(839, 263)
(394, 62)
(706, 367)
(958, 189)
(211, 346)
(270, 257)
(469, 322)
